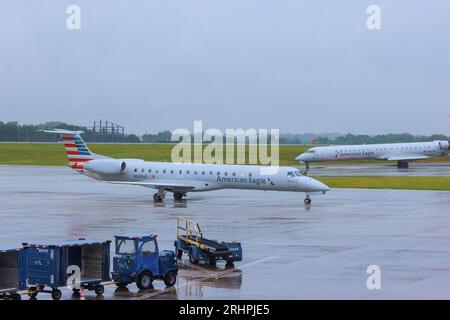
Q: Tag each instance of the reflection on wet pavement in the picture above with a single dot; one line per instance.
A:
(289, 250)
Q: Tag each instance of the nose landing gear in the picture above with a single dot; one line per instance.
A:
(307, 199)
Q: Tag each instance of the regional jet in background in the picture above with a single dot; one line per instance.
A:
(181, 178)
(400, 152)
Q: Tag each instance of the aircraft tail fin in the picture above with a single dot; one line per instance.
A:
(77, 151)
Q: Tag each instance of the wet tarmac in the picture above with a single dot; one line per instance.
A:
(382, 169)
(291, 251)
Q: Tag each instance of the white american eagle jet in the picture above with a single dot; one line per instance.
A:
(400, 152)
(181, 178)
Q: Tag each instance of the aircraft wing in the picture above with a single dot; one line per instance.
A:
(406, 157)
(159, 185)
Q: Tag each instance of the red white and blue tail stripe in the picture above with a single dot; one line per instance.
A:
(77, 151)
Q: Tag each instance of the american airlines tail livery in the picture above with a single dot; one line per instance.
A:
(400, 152)
(181, 178)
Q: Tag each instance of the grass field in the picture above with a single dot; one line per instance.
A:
(407, 183)
(54, 155)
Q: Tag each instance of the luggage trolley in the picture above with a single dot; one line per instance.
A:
(12, 273)
(53, 264)
(190, 240)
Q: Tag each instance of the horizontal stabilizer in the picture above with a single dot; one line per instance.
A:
(63, 131)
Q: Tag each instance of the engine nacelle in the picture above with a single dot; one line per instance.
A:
(444, 145)
(106, 166)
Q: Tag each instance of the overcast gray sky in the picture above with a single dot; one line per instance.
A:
(300, 66)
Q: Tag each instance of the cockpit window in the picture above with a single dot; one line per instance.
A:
(311, 151)
(291, 174)
(297, 173)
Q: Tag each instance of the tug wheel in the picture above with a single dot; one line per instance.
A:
(170, 279)
(144, 280)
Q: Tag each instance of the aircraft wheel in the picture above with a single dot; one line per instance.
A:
(307, 200)
(177, 195)
(157, 197)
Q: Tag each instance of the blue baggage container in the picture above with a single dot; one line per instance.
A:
(12, 272)
(47, 265)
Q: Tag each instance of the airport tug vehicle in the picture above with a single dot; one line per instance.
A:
(138, 259)
(190, 240)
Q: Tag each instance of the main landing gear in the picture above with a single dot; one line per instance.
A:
(402, 164)
(159, 196)
(307, 199)
(178, 195)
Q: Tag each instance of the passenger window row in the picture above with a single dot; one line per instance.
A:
(392, 148)
(164, 171)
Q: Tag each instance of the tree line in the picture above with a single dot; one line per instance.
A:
(15, 132)
(380, 138)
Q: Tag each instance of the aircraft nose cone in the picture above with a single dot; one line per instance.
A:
(300, 157)
(317, 186)
(308, 184)
(321, 186)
